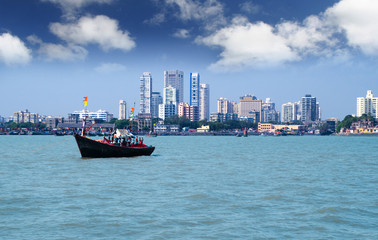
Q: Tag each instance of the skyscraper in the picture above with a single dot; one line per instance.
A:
(145, 92)
(224, 106)
(156, 99)
(308, 109)
(194, 89)
(175, 79)
(122, 113)
(269, 112)
(289, 112)
(368, 104)
(204, 104)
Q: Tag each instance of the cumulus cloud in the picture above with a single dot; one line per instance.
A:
(110, 67)
(248, 44)
(71, 7)
(51, 51)
(358, 20)
(243, 43)
(182, 33)
(13, 50)
(100, 30)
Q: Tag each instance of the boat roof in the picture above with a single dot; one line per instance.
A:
(123, 133)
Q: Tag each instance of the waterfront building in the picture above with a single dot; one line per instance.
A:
(52, 122)
(122, 110)
(161, 128)
(144, 121)
(272, 128)
(223, 117)
(368, 104)
(204, 105)
(156, 99)
(99, 115)
(175, 79)
(145, 92)
(190, 112)
(289, 112)
(167, 110)
(194, 89)
(250, 104)
(269, 113)
(308, 109)
(224, 106)
(25, 117)
(183, 110)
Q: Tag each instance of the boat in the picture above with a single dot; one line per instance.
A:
(120, 144)
(90, 148)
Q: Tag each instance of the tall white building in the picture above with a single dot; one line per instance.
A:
(122, 113)
(145, 92)
(309, 109)
(289, 112)
(204, 104)
(368, 104)
(170, 95)
(224, 106)
(194, 89)
(175, 79)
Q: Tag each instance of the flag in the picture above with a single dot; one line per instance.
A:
(132, 114)
(85, 101)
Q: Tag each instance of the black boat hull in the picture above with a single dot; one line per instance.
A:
(90, 148)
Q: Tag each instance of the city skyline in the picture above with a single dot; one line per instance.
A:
(99, 48)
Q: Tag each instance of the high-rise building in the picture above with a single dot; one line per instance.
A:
(167, 110)
(289, 112)
(224, 106)
(194, 89)
(190, 112)
(204, 105)
(122, 113)
(269, 113)
(170, 95)
(145, 92)
(368, 104)
(248, 105)
(175, 79)
(156, 99)
(308, 109)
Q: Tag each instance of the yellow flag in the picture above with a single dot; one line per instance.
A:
(85, 101)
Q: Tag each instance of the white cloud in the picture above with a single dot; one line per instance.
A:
(110, 67)
(358, 20)
(314, 36)
(210, 11)
(63, 53)
(157, 19)
(250, 7)
(255, 44)
(248, 44)
(100, 30)
(13, 50)
(58, 51)
(182, 33)
(71, 7)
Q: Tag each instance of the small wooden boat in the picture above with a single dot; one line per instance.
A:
(104, 149)
(121, 143)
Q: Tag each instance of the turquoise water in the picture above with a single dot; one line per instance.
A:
(305, 187)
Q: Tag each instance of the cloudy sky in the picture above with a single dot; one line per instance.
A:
(55, 52)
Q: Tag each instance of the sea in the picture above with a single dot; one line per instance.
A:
(192, 187)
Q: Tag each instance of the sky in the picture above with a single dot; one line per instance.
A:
(55, 52)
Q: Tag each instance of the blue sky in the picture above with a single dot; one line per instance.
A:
(55, 52)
